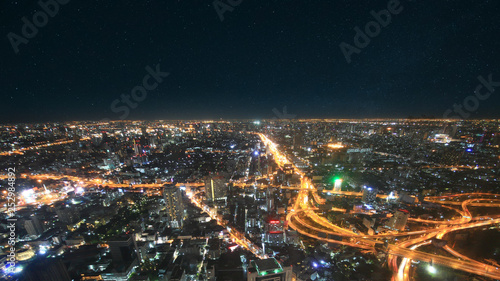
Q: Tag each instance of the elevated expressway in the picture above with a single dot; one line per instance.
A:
(306, 221)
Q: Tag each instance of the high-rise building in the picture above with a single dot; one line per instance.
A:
(144, 139)
(369, 195)
(270, 199)
(175, 206)
(298, 140)
(33, 226)
(122, 249)
(215, 188)
(268, 270)
(274, 233)
(137, 146)
(399, 219)
(240, 212)
(124, 257)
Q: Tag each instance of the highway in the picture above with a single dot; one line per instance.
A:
(39, 146)
(305, 219)
(237, 237)
(307, 192)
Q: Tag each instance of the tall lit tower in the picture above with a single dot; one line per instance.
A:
(270, 199)
(215, 188)
(137, 149)
(175, 206)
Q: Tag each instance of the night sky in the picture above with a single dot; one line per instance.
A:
(263, 55)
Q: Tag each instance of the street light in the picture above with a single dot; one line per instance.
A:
(431, 269)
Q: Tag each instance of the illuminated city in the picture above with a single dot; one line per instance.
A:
(200, 200)
(238, 140)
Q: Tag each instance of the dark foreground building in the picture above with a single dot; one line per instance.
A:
(268, 270)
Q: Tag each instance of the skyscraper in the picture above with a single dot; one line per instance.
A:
(274, 233)
(298, 140)
(270, 199)
(137, 147)
(215, 188)
(33, 226)
(175, 206)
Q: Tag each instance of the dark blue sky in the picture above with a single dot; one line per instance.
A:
(263, 55)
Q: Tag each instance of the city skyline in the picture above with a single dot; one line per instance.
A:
(384, 199)
(164, 140)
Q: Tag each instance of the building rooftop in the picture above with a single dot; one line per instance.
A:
(267, 266)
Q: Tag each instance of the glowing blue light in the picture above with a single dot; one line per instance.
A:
(13, 270)
(315, 264)
(256, 153)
